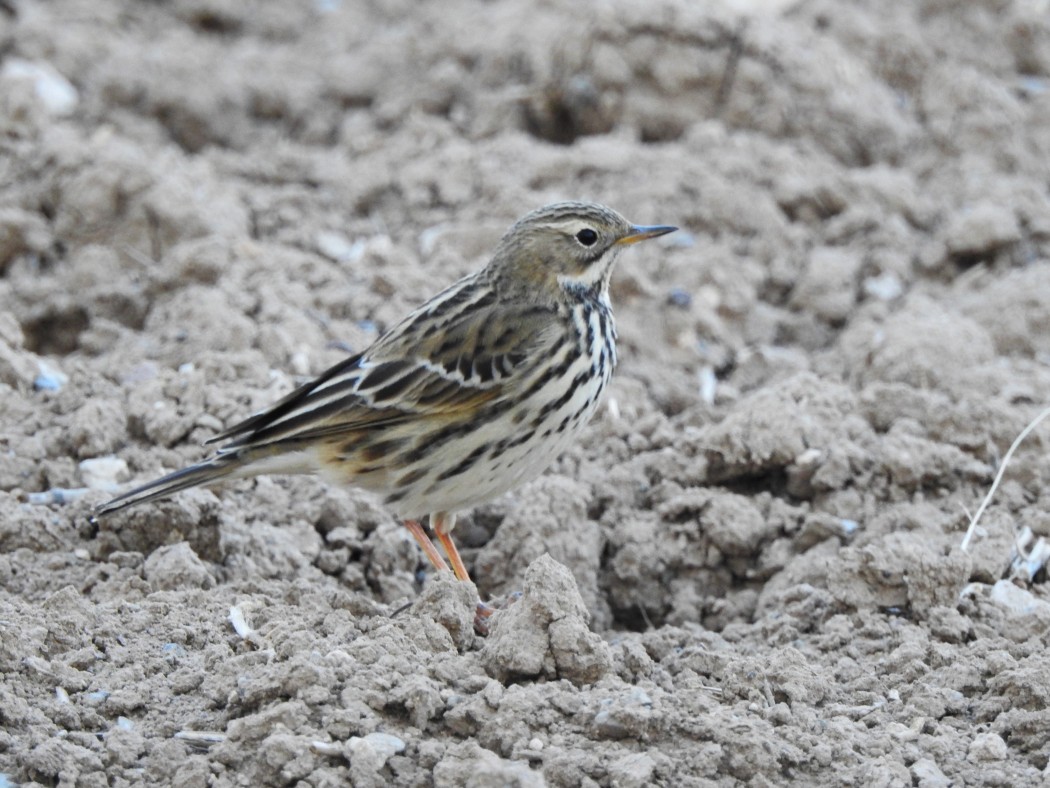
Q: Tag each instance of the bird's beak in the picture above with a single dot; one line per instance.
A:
(640, 233)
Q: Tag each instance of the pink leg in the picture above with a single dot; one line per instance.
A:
(443, 523)
(429, 550)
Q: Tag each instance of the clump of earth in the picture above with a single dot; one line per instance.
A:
(751, 569)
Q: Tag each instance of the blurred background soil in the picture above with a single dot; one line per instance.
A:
(754, 571)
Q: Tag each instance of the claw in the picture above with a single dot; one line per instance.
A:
(481, 618)
(486, 609)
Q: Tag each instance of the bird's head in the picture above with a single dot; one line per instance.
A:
(566, 246)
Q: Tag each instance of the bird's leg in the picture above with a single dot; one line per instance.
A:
(424, 542)
(443, 523)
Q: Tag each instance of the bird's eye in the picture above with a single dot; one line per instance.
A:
(587, 236)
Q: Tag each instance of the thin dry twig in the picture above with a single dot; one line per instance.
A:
(999, 477)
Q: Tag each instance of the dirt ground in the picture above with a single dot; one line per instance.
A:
(749, 571)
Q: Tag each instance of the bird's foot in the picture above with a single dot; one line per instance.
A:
(485, 610)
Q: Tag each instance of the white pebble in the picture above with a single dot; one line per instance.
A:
(51, 378)
(385, 744)
(300, 363)
(240, 626)
(429, 237)
(708, 384)
(809, 458)
(1018, 601)
(886, 287)
(102, 473)
(334, 245)
(57, 95)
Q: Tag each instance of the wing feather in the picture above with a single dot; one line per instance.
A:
(481, 353)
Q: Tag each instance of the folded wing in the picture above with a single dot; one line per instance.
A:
(478, 355)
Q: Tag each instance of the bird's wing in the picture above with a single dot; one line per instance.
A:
(439, 362)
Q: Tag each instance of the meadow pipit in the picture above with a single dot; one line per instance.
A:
(473, 394)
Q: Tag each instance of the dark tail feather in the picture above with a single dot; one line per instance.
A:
(206, 472)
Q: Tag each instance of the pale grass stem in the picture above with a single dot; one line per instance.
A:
(999, 477)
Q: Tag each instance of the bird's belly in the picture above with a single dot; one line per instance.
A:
(491, 460)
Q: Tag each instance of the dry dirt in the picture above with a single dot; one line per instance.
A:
(748, 572)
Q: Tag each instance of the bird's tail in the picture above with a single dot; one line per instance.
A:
(208, 472)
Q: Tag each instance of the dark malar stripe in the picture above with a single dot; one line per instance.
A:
(588, 311)
(608, 329)
(581, 293)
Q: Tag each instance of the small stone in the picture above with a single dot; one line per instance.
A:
(680, 298)
(634, 770)
(981, 229)
(987, 747)
(176, 566)
(624, 716)
(467, 763)
(334, 245)
(886, 287)
(55, 93)
(368, 755)
(49, 378)
(1018, 601)
(173, 652)
(376, 748)
(385, 744)
(103, 473)
(925, 773)
(580, 655)
(291, 715)
(827, 286)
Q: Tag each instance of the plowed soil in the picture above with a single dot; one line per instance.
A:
(749, 571)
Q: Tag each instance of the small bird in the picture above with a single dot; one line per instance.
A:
(474, 393)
